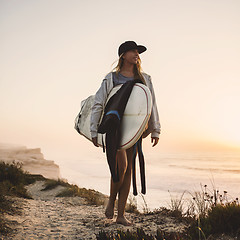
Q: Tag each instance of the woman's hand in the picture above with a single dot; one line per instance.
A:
(155, 140)
(94, 140)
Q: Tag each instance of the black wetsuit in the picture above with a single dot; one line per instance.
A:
(110, 125)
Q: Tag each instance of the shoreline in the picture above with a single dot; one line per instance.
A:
(174, 173)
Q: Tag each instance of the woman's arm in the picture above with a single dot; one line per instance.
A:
(154, 126)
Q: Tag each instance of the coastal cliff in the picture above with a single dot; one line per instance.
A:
(32, 160)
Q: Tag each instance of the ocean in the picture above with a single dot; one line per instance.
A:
(168, 175)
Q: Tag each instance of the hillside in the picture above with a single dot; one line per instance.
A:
(32, 160)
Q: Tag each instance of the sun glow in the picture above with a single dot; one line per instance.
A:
(228, 119)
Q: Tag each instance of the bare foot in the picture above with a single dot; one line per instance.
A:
(123, 221)
(109, 212)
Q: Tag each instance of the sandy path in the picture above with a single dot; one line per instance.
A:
(48, 217)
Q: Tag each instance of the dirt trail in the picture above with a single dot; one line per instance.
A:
(48, 217)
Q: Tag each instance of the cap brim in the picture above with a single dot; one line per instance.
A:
(141, 49)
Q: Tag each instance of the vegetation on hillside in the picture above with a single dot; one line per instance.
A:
(91, 196)
(208, 213)
(214, 213)
(12, 184)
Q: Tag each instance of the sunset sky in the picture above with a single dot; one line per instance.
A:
(55, 53)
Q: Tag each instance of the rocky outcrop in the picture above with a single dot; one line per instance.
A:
(32, 160)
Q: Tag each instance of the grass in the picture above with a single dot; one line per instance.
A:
(177, 205)
(13, 179)
(12, 182)
(92, 197)
(146, 209)
(139, 234)
(131, 206)
(123, 235)
(210, 212)
(216, 213)
(219, 219)
(51, 184)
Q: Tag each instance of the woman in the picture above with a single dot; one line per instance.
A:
(128, 68)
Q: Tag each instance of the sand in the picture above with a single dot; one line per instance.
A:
(49, 217)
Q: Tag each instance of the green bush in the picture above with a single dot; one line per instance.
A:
(219, 219)
(224, 218)
(15, 190)
(12, 182)
(14, 174)
(11, 172)
(209, 213)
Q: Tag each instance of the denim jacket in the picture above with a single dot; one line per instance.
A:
(101, 95)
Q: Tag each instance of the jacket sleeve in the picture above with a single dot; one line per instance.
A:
(98, 107)
(154, 126)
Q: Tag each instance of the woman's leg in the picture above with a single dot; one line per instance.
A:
(124, 189)
(115, 187)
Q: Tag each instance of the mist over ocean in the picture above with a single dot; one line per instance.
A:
(173, 172)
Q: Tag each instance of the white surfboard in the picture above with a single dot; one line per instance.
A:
(134, 121)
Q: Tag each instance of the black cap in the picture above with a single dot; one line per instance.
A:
(129, 45)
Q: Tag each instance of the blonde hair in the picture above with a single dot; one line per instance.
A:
(136, 70)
